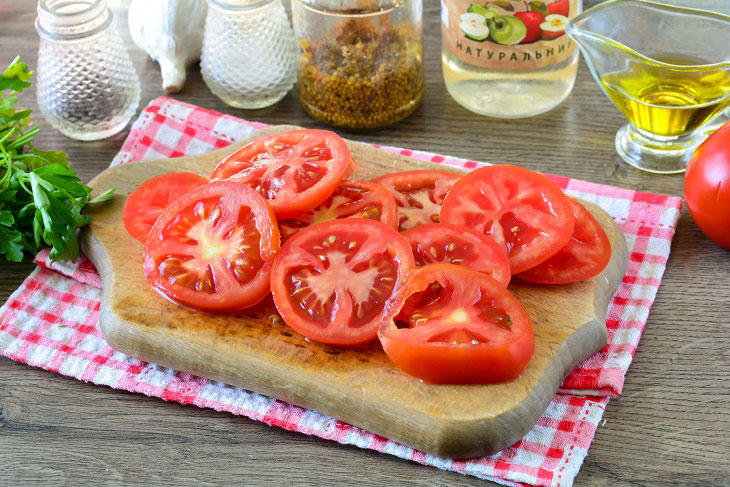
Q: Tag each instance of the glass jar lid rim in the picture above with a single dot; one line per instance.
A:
(237, 5)
(64, 20)
(352, 7)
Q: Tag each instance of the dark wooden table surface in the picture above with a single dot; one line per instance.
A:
(670, 427)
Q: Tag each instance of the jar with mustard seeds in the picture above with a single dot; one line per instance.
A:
(361, 61)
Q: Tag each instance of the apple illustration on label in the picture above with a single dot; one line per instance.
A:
(474, 26)
(507, 30)
(553, 27)
(561, 7)
(532, 21)
(487, 13)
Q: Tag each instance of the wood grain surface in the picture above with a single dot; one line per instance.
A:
(255, 351)
(670, 426)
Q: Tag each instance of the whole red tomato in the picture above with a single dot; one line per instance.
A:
(707, 186)
(532, 21)
(561, 7)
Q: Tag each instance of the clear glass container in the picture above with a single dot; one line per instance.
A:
(361, 61)
(86, 85)
(666, 68)
(248, 52)
(508, 59)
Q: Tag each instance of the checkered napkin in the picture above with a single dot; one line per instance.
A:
(51, 321)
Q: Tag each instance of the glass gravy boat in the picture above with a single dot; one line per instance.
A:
(666, 68)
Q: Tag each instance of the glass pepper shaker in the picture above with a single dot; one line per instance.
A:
(361, 61)
(87, 87)
(248, 52)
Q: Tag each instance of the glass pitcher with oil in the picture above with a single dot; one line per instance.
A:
(666, 68)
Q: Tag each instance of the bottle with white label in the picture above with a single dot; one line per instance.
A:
(508, 58)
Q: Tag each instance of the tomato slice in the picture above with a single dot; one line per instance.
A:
(331, 281)
(211, 248)
(525, 212)
(418, 194)
(294, 171)
(584, 256)
(147, 201)
(438, 243)
(351, 199)
(460, 327)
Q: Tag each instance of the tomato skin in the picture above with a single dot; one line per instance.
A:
(229, 295)
(707, 186)
(501, 358)
(351, 199)
(275, 166)
(418, 194)
(147, 201)
(585, 255)
(524, 211)
(331, 323)
(441, 365)
(430, 242)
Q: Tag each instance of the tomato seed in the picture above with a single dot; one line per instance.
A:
(352, 245)
(332, 238)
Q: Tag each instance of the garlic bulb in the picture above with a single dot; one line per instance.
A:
(171, 32)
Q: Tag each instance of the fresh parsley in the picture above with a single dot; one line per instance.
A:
(41, 197)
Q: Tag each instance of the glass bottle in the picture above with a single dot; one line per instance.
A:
(87, 87)
(248, 52)
(361, 61)
(508, 58)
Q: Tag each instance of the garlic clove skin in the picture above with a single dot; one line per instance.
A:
(171, 33)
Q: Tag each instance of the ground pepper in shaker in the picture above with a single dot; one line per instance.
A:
(87, 87)
(361, 61)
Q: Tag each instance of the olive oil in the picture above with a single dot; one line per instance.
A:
(667, 103)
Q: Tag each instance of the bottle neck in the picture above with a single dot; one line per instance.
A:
(72, 19)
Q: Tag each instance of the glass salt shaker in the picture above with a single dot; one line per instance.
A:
(248, 52)
(87, 87)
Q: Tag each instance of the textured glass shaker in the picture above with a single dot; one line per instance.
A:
(248, 52)
(86, 85)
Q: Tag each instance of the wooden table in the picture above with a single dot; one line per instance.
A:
(670, 427)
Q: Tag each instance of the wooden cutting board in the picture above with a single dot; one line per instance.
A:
(257, 351)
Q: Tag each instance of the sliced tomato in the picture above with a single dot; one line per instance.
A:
(331, 281)
(211, 248)
(438, 243)
(294, 171)
(584, 256)
(351, 199)
(418, 194)
(147, 201)
(525, 212)
(459, 327)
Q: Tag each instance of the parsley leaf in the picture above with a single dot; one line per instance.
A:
(41, 197)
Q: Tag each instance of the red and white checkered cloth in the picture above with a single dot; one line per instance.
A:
(51, 321)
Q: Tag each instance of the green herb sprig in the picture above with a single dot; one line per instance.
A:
(41, 197)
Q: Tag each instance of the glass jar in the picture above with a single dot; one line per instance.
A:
(87, 87)
(508, 58)
(248, 52)
(361, 61)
